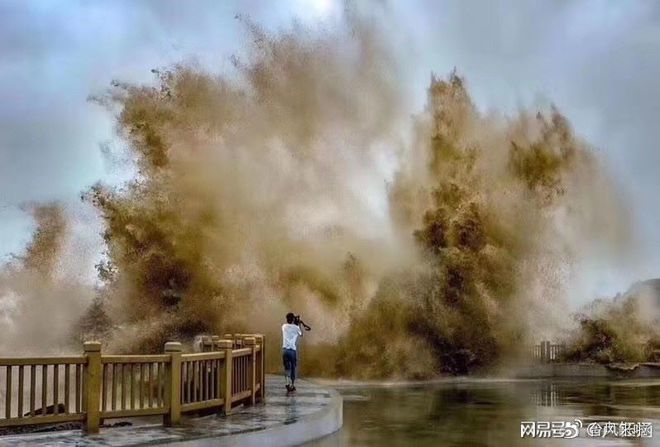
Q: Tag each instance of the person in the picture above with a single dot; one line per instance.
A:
(290, 334)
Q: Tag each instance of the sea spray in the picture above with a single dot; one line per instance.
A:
(40, 302)
(251, 199)
(245, 204)
(483, 211)
(625, 328)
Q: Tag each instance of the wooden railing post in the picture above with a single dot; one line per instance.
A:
(229, 337)
(207, 343)
(214, 342)
(545, 351)
(251, 342)
(92, 377)
(173, 384)
(262, 377)
(225, 377)
(263, 368)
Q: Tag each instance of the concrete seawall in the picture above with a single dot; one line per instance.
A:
(312, 412)
(588, 370)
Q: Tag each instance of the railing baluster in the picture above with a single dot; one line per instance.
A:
(44, 389)
(161, 398)
(189, 379)
(199, 381)
(209, 379)
(200, 375)
(33, 387)
(21, 391)
(182, 391)
(189, 382)
(56, 388)
(122, 404)
(141, 386)
(209, 375)
(8, 374)
(193, 379)
(150, 387)
(83, 388)
(218, 371)
(166, 393)
(204, 380)
(131, 377)
(104, 386)
(214, 377)
(156, 384)
(67, 388)
(113, 398)
(185, 382)
(78, 392)
(184, 379)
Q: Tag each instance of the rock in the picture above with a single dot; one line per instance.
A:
(50, 409)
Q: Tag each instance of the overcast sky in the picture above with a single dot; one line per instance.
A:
(597, 60)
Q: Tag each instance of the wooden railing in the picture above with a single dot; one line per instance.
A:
(42, 390)
(547, 352)
(133, 385)
(94, 387)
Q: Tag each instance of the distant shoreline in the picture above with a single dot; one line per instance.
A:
(563, 371)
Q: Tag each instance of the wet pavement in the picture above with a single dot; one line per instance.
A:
(278, 412)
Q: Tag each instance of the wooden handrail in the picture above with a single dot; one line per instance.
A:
(16, 361)
(204, 356)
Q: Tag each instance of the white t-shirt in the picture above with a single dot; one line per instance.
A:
(290, 334)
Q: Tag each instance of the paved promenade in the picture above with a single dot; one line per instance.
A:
(314, 411)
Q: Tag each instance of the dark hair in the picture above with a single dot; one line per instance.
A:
(290, 317)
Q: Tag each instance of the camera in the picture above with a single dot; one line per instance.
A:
(298, 322)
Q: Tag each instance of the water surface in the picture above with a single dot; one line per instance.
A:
(489, 412)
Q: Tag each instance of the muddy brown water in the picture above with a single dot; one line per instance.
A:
(489, 412)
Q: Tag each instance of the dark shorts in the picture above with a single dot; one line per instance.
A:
(290, 358)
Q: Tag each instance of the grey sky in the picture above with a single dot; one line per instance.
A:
(597, 60)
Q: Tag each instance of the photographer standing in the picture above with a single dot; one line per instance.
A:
(290, 333)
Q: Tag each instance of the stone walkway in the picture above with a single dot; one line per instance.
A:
(315, 407)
